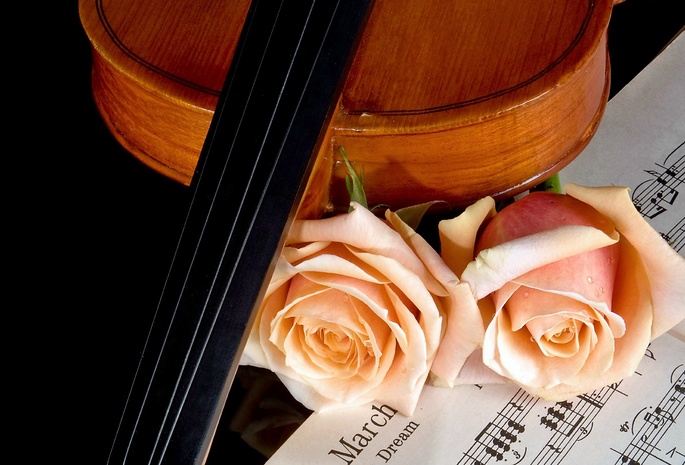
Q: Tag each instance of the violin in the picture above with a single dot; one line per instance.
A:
(444, 100)
(439, 100)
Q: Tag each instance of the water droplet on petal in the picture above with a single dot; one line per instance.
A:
(590, 280)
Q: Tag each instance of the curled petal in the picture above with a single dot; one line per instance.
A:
(495, 266)
(561, 339)
(517, 356)
(589, 275)
(353, 313)
(360, 229)
(632, 296)
(414, 290)
(331, 335)
(665, 267)
(458, 235)
(528, 303)
(532, 305)
(430, 258)
(463, 335)
(463, 325)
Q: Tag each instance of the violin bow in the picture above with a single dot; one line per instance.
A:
(276, 102)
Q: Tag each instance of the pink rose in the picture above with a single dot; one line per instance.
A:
(354, 312)
(574, 287)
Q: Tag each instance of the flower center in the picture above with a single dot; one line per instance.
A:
(561, 336)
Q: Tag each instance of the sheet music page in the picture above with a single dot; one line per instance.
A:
(639, 421)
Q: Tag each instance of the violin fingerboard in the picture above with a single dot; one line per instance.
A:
(278, 97)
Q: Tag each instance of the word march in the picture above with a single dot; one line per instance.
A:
(380, 417)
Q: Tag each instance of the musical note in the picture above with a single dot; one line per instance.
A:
(658, 195)
(561, 417)
(516, 426)
(498, 437)
(676, 235)
(565, 404)
(570, 422)
(629, 461)
(513, 437)
(649, 353)
(551, 424)
(654, 424)
(655, 196)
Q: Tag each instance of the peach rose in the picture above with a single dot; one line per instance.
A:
(354, 312)
(574, 287)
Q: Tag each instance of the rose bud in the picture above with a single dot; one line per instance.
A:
(573, 287)
(354, 312)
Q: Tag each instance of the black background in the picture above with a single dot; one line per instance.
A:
(92, 232)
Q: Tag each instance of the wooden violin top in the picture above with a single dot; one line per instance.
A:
(445, 100)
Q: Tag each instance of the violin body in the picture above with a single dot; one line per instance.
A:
(445, 100)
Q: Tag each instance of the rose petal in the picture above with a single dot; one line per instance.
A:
(590, 275)
(463, 327)
(528, 304)
(377, 299)
(473, 371)
(333, 335)
(544, 301)
(295, 254)
(430, 258)
(665, 268)
(561, 339)
(493, 267)
(632, 295)
(503, 294)
(515, 355)
(360, 229)
(458, 235)
(540, 211)
(337, 261)
(314, 400)
(464, 333)
(413, 288)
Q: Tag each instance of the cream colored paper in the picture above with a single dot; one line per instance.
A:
(637, 421)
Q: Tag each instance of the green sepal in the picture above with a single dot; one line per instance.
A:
(552, 184)
(413, 214)
(354, 182)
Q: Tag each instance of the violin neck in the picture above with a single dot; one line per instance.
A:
(275, 105)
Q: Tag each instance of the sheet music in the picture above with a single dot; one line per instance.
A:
(638, 421)
(640, 143)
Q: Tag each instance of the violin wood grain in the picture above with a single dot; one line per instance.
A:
(444, 100)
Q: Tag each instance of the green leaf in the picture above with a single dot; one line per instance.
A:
(413, 214)
(354, 182)
(553, 184)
